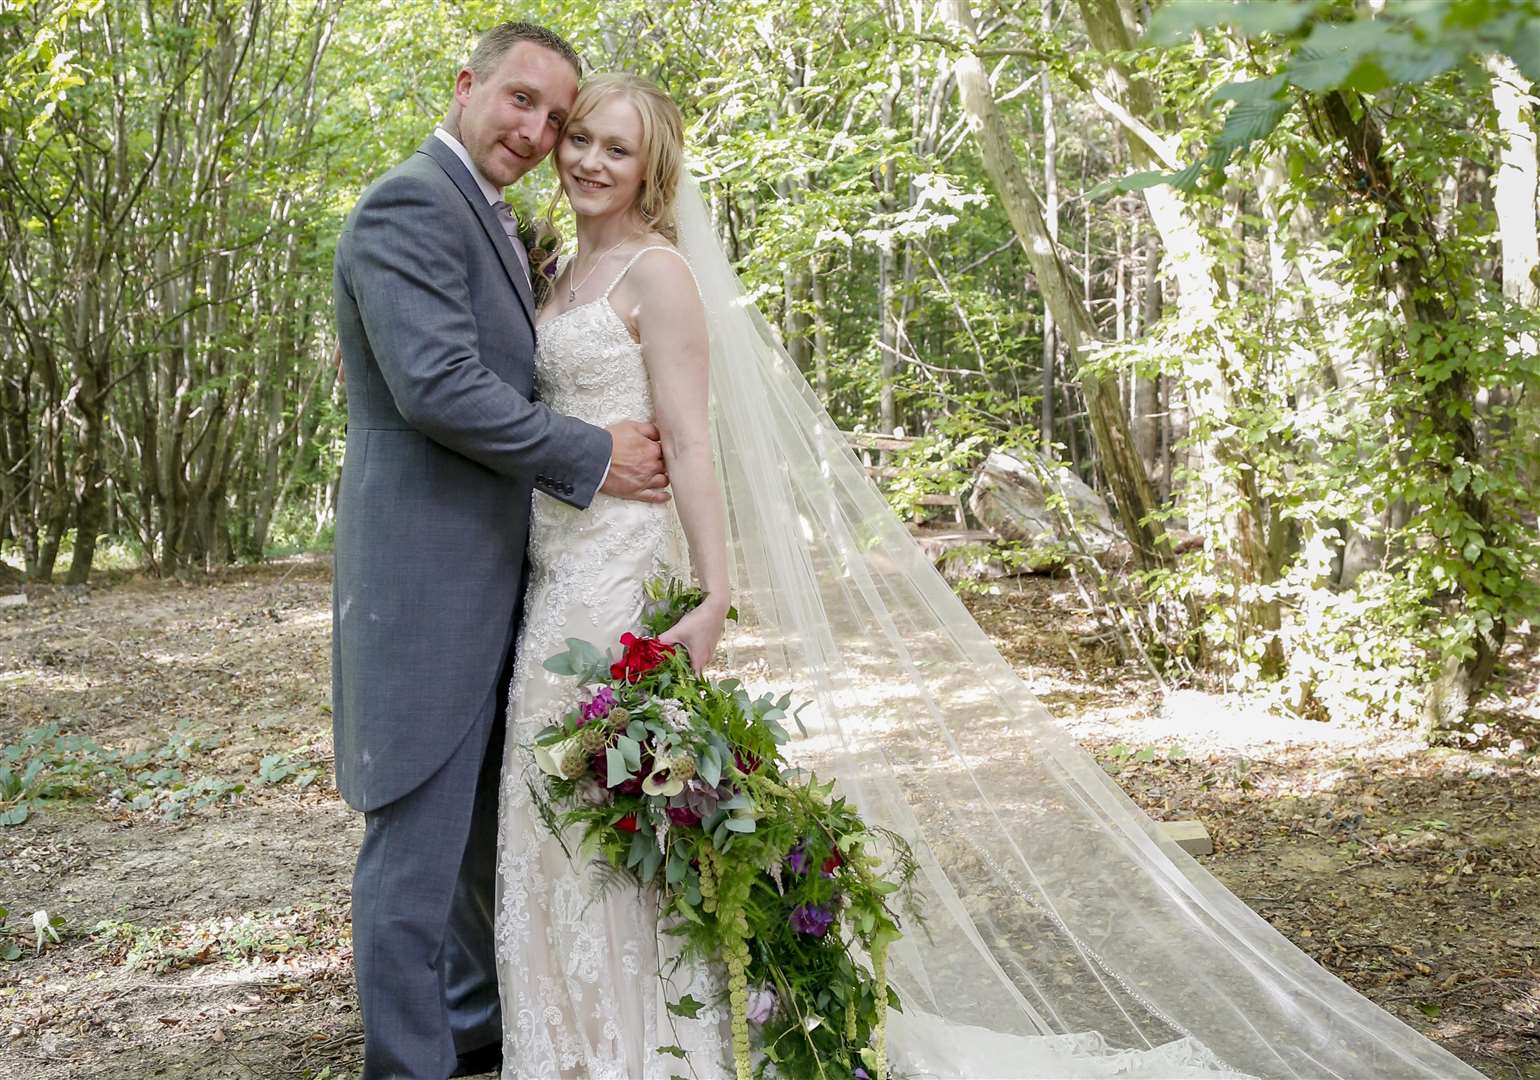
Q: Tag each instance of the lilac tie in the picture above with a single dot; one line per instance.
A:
(511, 227)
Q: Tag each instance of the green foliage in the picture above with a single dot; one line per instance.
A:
(668, 601)
(8, 949)
(1329, 49)
(280, 768)
(235, 939)
(1374, 373)
(227, 419)
(45, 765)
(1356, 325)
(941, 462)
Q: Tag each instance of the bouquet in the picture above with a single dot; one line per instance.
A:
(677, 784)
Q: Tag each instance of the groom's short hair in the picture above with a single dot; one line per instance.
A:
(494, 44)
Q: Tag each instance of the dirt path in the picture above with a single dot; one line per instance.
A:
(200, 859)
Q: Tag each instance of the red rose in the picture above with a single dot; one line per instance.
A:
(641, 655)
(831, 864)
(627, 823)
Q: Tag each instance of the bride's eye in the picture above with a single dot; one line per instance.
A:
(618, 151)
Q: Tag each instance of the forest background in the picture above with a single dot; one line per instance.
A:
(1263, 273)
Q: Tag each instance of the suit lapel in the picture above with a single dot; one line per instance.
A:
(455, 169)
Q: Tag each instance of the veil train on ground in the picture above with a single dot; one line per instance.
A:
(1056, 910)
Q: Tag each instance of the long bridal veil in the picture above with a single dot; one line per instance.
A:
(1057, 915)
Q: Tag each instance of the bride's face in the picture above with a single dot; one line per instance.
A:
(601, 159)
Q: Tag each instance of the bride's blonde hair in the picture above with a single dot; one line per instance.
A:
(662, 141)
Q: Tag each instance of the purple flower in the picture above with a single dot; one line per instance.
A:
(812, 919)
(761, 1005)
(860, 1074)
(797, 859)
(599, 706)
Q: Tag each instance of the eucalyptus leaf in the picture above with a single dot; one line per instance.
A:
(709, 767)
(615, 765)
(630, 753)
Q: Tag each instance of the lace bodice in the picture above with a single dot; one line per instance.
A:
(588, 366)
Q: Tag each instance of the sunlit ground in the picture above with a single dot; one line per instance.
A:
(213, 943)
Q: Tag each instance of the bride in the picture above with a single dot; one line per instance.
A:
(1065, 936)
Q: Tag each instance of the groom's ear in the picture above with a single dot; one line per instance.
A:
(463, 83)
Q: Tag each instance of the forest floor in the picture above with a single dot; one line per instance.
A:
(204, 924)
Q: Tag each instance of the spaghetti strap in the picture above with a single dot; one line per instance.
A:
(655, 247)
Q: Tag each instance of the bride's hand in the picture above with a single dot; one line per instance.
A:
(699, 632)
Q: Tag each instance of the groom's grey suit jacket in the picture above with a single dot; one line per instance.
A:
(444, 445)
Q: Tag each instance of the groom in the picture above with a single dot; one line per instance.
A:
(445, 443)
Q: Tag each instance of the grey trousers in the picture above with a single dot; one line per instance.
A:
(423, 911)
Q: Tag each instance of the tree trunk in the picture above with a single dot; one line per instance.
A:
(91, 509)
(1146, 387)
(1514, 184)
(887, 259)
(1201, 289)
(1051, 219)
(1445, 399)
(1513, 197)
(1127, 479)
(820, 334)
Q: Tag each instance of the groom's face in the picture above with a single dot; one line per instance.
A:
(510, 120)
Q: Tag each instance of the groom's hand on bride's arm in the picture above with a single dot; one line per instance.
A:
(636, 463)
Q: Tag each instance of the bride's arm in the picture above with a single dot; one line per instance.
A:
(672, 326)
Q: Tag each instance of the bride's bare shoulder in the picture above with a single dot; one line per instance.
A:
(657, 294)
(657, 250)
(660, 274)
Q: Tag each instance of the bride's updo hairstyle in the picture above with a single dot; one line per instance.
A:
(662, 141)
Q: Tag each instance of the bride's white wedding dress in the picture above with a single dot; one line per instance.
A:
(1064, 935)
(579, 966)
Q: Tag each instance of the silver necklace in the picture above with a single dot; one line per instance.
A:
(573, 287)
